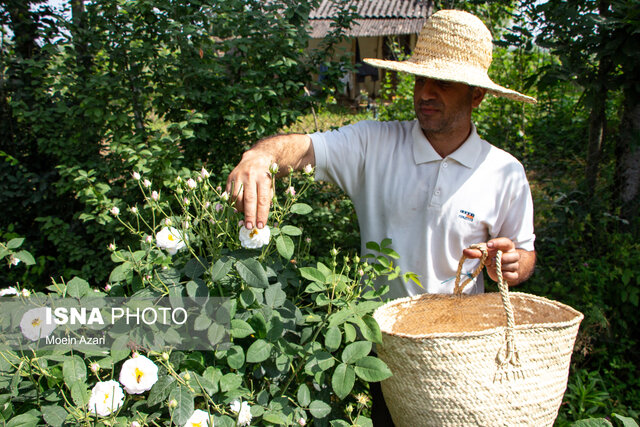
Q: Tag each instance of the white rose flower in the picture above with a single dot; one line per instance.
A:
(25, 293)
(308, 169)
(243, 410)
(8, 291)
(170, 239)
(13, 260)
(115, 211)
(274, 168)
(138, 375)
(146, 183)
(106, 397)
(191, 183)
(136, 176)
(254, 238)
(34, 324)
(199, 418)
(155, 196)
(204, 173)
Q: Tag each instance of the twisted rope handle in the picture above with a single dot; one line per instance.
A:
(511, 353)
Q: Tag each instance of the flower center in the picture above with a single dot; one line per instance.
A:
(36, 322)
(106, 398)
(139, 375)
(170, 237)
(253, 233)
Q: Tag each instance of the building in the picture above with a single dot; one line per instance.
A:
(379, 23)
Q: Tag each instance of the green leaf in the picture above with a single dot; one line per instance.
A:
(290, 230)
(301, 209)
(197, 289)
(626, 421)
(160, 390)
(303, 395)
(25, 257)
(356, 351)
(319, 409)
(343, 379)
(54, 415)
(312, 274)
(285, 246)
(274, 296)
(230, 382)
(202, 322)
(23, 420)
(592, 422)
(349, 332)
(259, 351)
(370, 329)
(372, 369)
(320, 361)
(373, 246)
(276, 418)
(252, 273)
(79, 393)
(77, 287)
(333, 338)
(15, 243)
(235, 357)
(184, 410)
(74, 369)
(220, 269)
(241, 329)
(195, 268)
(216, 333)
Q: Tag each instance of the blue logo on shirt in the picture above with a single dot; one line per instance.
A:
(467, 216)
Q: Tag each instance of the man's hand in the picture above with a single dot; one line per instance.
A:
(517, 264)
(249, 184)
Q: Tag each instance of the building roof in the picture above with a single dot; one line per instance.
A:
(376, 17)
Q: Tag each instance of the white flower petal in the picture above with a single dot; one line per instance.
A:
(138, 375)
(254, 238)
(106, 397)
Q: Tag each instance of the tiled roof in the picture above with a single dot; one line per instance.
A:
(376, 17)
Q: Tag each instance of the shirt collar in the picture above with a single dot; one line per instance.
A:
(466, 155)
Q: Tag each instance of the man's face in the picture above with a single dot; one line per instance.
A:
(444, 108)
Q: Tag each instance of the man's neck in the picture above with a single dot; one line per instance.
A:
(445, 143)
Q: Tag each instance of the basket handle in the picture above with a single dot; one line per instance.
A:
(511, 353)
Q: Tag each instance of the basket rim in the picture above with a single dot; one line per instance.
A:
(577, 318)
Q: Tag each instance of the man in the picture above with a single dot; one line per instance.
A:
(431, 185)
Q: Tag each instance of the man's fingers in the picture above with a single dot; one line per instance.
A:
(472, 253)
(501, 243)
(263, 203)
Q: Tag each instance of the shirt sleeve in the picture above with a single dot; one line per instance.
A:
(340, 155)
(518, 223)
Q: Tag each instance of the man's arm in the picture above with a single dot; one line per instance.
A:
(249, 184)
(517, 264)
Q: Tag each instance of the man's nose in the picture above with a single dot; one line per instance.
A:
(427, 90)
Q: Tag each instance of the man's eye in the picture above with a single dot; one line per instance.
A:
(444, 84)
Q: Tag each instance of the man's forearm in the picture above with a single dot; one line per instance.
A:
(287, 151)
(526, 265)
(249, 184)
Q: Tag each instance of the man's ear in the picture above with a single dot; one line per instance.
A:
(477, 96)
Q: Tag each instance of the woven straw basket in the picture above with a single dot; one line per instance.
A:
(494, 359)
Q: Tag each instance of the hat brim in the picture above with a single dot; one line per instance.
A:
(459, 73)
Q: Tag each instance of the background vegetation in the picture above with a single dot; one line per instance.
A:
(159, 87)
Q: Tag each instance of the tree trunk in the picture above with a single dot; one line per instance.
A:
(629, 156)
(83, 59)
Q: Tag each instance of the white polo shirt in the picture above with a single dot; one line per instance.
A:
(431, 207)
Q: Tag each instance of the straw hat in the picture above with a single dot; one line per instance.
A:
(454, 46)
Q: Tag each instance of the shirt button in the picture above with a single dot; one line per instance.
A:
(437, 192)
(445, 164)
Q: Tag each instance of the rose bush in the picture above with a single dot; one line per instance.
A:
(300, 332)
